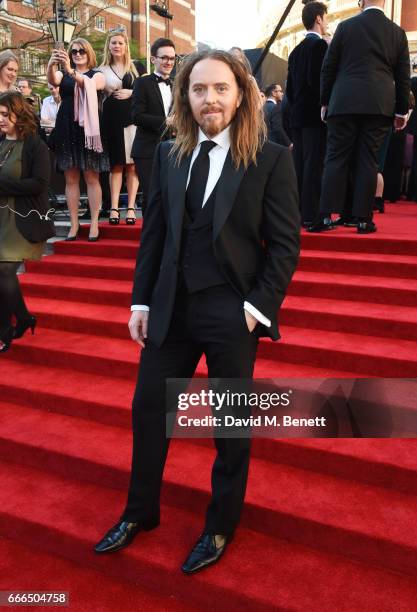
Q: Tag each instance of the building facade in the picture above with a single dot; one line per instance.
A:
(403, 12)
(23, 25)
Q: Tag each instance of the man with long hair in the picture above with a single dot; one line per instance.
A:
(219, 246)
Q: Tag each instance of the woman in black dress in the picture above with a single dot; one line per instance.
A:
(120, 73)
(74, 150)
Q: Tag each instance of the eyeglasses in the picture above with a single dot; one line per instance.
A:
(167, 58)
(78, 52)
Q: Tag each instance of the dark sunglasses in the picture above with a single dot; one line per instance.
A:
(78, 51)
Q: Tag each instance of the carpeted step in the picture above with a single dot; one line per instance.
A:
(115, 268)
(244, 579)
(378, 290)
(371, 264)
(106, 247)
(389, 463)
(333, 315)
(31, 569)
(328, 513)
(370, 355)
(375, 289)
(363, 355)
(78, 288)
(88, 395)
(388, 239)
(117, 232)
(110, 356)
(351, 317)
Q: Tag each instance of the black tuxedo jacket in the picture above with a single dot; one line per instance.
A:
(149, 115)
(255, 234)
(367, 67)
(303, 81)
(273, 120)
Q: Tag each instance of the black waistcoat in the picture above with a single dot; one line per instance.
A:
(199, 268)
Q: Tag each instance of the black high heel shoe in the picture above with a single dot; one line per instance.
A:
(22, 326)
(130, 220)
(114, 220)
(6, 339)
(74, 237)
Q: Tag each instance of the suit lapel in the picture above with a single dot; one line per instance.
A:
(158, 93)
(177, 183)
(226, 192)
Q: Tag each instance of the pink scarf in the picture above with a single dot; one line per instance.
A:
(86, 113)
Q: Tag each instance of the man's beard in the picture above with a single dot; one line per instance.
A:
(212, 127)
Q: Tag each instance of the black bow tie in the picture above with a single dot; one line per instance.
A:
(159, 79)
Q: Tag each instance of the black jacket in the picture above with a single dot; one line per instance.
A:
(149, 115)
(273, 120)
(31, 191)
(255, 234)
(367, 67)
(303, 81)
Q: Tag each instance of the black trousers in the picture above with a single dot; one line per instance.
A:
(309, 149)
(143, 167)
(353, 142)
(12, 303)
(412, 189)
(210, 322)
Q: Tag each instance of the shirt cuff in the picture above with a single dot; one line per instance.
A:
(258, 315)
(402, 116)
(139, 307)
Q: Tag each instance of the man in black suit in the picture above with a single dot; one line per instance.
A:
(303, 92)
(273, 115)
(218, 249)
(151, 101)
(365, 86)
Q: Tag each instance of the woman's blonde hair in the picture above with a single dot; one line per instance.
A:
(129, 66)
(7, 56)
(91, 56)
(248, 129)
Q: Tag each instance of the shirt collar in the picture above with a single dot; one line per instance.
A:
(161, 75)
(313, 33)
(378, 8)
(222, 139)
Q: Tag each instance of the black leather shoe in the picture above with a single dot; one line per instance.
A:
(119, 536)
(208, 549)
(345, 222)
(366, 227)
(322, 225)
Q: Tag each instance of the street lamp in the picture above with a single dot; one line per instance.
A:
(60, 26)
(160, 8)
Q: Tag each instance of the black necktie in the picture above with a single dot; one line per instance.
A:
(161, 80)
(198, 179)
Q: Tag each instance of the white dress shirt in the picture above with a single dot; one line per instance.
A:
(217, 157)
(49, 109)
(166, 93)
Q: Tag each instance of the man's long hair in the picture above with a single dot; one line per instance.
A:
(248, 130)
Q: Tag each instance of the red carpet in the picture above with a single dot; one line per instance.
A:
(329, 524)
